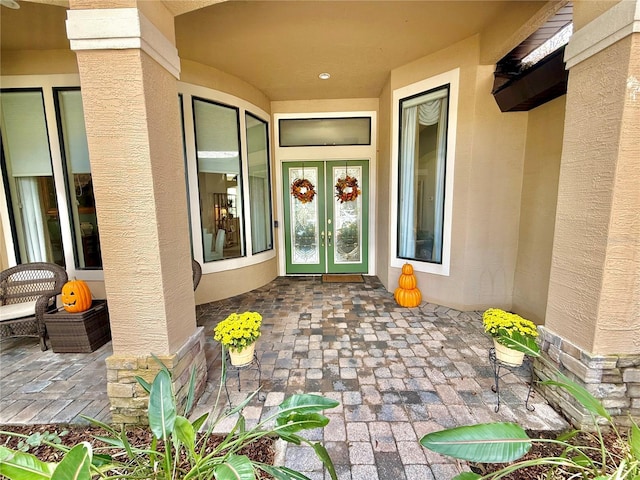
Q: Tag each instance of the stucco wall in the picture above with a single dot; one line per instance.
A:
(138, 157)
(594, 299)
(37, 62)
(487, 181)
(210, 77)
(538, 209)
(221, 285)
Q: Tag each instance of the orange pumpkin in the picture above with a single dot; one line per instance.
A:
(408, 298)
(407, 269)
(407, 281)
(76, 296)
(407, 294)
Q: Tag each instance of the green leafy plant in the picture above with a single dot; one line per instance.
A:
(176, 450)
(38, 438)
(502, 442)
(238, 330)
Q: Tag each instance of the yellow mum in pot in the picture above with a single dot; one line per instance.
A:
(238, 330)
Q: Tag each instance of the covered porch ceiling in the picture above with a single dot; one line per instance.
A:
(280, 47)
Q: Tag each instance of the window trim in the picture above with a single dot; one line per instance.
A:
(268, 148)
(452, 78)
(188, 91)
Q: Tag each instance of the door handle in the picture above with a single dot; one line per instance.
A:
(329, 238)
(322, 236)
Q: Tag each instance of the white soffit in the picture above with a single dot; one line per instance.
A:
(618, 22)
(118, 29)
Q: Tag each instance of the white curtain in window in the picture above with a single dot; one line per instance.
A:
(258, 214)
(34, 229)
(427, 113)
(440, 172)
(406, 235)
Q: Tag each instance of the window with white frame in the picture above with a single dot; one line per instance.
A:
(77, 170)
(423, 172)
(28, 177)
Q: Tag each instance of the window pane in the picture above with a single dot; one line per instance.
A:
(325, 131)
(259, 186)
(27, 163)
(422, 175)
(219, 180)
(78, 173)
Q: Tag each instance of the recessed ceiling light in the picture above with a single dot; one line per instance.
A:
(324, 76)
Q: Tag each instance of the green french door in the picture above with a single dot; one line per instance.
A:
(326, 234)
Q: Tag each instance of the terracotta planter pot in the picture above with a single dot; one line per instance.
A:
(508, 356)
(242, 358)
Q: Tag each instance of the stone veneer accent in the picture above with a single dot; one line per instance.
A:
(613, 379)
(129, 400)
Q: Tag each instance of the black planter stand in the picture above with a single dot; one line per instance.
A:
(510, 370)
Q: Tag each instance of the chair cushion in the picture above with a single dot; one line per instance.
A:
(17, 310)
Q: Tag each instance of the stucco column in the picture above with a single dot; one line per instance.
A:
(128, 70)
(593, 311)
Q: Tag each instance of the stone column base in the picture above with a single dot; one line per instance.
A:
(613, 379)
(129, 400)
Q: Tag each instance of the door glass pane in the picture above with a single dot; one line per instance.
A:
(422, 175)
(347, 219)
(219, 180)
(305, 247)
(259, 185)
(79, 181)
(27, 163)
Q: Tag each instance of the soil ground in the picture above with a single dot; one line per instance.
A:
(614, 447)
(262, 450)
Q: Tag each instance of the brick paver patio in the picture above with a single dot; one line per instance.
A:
(398, 374)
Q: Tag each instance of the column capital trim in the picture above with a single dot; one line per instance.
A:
(620, 21)
(121, 28)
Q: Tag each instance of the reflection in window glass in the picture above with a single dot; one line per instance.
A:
(79, 182)
(27, 164)
(219, 180)
(421, 194)
(259, 187)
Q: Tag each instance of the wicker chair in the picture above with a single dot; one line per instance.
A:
(197, 273)
(27, 291)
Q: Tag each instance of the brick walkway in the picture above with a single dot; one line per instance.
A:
(398, 374)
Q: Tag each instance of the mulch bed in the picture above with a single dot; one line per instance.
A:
(541, 450)
(262, 450)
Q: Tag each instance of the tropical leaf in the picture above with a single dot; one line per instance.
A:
(198, 422)
(191, 393)
(296, 422)
(634, 442)
(323, 455)
(162, 406)
(517, 341)
(283, 473)
(23, 466)
(75, 464)
(143, 383)
(184, 432)
(487, 442)
(467, 476)
(237, 467)
(306, 403)
(582, 395)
